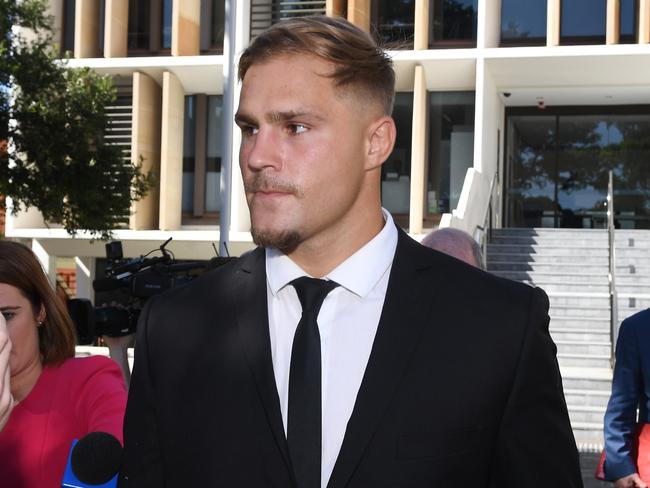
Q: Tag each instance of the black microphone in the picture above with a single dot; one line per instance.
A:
(94, 461)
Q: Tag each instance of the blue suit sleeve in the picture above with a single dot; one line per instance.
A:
(620, 417)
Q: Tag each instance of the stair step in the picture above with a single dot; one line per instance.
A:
(593, 398)
(588, 414)
(562, 336)
(582, 348)
(583, 360)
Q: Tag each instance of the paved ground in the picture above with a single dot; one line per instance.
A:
(588, 462)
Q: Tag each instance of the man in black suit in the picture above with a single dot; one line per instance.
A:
(397, 367)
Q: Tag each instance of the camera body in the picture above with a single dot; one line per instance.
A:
(136, 280)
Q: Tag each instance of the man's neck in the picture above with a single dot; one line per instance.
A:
(319, 257)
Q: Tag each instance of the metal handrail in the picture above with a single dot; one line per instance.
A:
(487, 220)
(613, 295)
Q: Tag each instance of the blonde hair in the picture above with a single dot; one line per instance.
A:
(359, 62)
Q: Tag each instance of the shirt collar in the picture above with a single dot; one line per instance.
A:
(359, 273)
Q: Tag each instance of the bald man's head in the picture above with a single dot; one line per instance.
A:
(456, 243)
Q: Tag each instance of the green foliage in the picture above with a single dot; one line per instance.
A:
(54, 118)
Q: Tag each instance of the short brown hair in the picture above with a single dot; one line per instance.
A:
(20, 268)
(359, 62)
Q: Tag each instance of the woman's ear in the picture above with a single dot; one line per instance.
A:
(381, 136)
(40, 318)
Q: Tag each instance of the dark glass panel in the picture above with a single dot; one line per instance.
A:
(67, 37)
(396, 171)
(213, 154)
(217, 24)
(629, 9)
(394, 23)
(558, 168)
(523, 23)
(531, 169)
(583, 21)
(138, 37)
(166, 27)
(100, 30)
(454, 21)
(451, 148)
(189, 145)
(592, 145)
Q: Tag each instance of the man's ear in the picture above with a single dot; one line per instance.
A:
(381, 138)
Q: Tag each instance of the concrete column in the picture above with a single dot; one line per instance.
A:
(335, 8)
(116, 28)
(644, 21)
(186, 27)
(145, 143)
(553, 23)
(419, 143)
(47, 261)
(489, 24)
(421, 40)
(234, 213)
(85, 268)
(359, 13)
(86, 27)
(171, 153)
(613, 21)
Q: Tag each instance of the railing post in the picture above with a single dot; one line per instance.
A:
(613, 296)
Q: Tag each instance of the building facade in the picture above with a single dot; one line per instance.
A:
(522, 106)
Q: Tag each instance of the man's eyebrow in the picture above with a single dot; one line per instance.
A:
(243, 119)
(275, 117)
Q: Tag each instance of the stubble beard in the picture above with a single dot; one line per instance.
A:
(284, 240)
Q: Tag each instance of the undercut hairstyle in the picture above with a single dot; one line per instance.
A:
(20, 269)
(359, 63)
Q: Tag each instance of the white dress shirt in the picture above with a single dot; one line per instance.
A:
(347, 322)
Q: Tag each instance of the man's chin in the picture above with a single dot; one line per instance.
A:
(286, 241)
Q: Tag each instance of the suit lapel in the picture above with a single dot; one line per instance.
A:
(399, 329)
(253, 324)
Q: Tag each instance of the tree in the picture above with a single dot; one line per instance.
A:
(54, 118)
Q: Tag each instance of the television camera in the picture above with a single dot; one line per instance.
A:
(136, 280)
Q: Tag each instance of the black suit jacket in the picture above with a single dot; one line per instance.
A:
(462, 387)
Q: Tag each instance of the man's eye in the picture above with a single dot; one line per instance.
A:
(8, 315)
(297, 128)
(249, 130)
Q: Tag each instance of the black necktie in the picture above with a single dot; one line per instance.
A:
(304, 429)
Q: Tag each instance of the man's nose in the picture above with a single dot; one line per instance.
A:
(265, 151)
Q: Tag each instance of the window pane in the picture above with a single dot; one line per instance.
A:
(396, 171)
(523, 23)
(217, 26)
(189, 145)
(138, 24)
(166, 27)
(454, 20)
(394, 23)
(629, 10)
(530, 176)
(67, 41)
(451, 148)
(583, 21)
(213, 154)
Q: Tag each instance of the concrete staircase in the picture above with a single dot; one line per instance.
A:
(572, 266)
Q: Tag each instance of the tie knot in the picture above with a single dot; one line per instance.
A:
(312, 291)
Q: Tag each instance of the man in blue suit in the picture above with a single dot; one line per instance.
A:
(630, 389)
